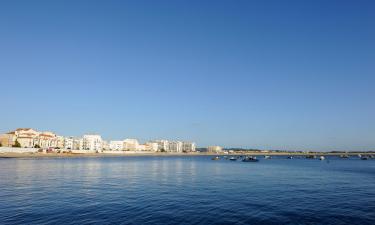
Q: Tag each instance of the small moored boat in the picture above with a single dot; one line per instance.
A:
(250, 159)
(232, 158)
(215, 158)
(322, 158)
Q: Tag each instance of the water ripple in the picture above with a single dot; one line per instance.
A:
(186, 190)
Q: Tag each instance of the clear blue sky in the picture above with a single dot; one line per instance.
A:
(260, 74)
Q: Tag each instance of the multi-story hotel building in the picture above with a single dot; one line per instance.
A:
(27, 137)
(131, 144)
(163, 145)
(78, 143)
(175, 146)
(69, 143)
(188, 146)
(46, 140)
(151, 146)
(92, 142)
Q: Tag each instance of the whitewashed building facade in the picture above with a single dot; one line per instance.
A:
(175, 146)
(216, 149)
(116, 145)
(188, 146)
(131, 144)
(92, 142)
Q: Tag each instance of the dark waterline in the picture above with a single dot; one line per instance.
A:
(186, 190)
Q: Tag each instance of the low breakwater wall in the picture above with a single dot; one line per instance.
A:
(126, 152)
(83, 151)
(17, 150)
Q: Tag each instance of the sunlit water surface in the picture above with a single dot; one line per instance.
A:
(186, 190)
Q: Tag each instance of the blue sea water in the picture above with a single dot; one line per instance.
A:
(186, 190)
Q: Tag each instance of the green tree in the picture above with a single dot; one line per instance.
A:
(16, 144)
(36, 146)
(1, 145)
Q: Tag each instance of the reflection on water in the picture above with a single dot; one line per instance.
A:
(186, 190)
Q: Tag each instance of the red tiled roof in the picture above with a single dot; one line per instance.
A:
(18, 129)
(27, 134)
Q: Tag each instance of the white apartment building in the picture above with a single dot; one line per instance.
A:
(188, 146)
(163, 145)
(175, 146)
(69, 143)
(116, 145)
(60, 142)
(214, 149)
(92, 142)
(152, 146)
(77, 144)
(130, 144)
(48, 140)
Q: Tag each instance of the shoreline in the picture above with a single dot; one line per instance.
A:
(105, 155)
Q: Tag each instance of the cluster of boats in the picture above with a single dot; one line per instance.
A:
(314, 157)
(254, 159)
(366, 157)
(362, 157)
(235, 158)
(245, 158)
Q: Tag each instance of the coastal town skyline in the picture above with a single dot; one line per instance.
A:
(32, 138)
